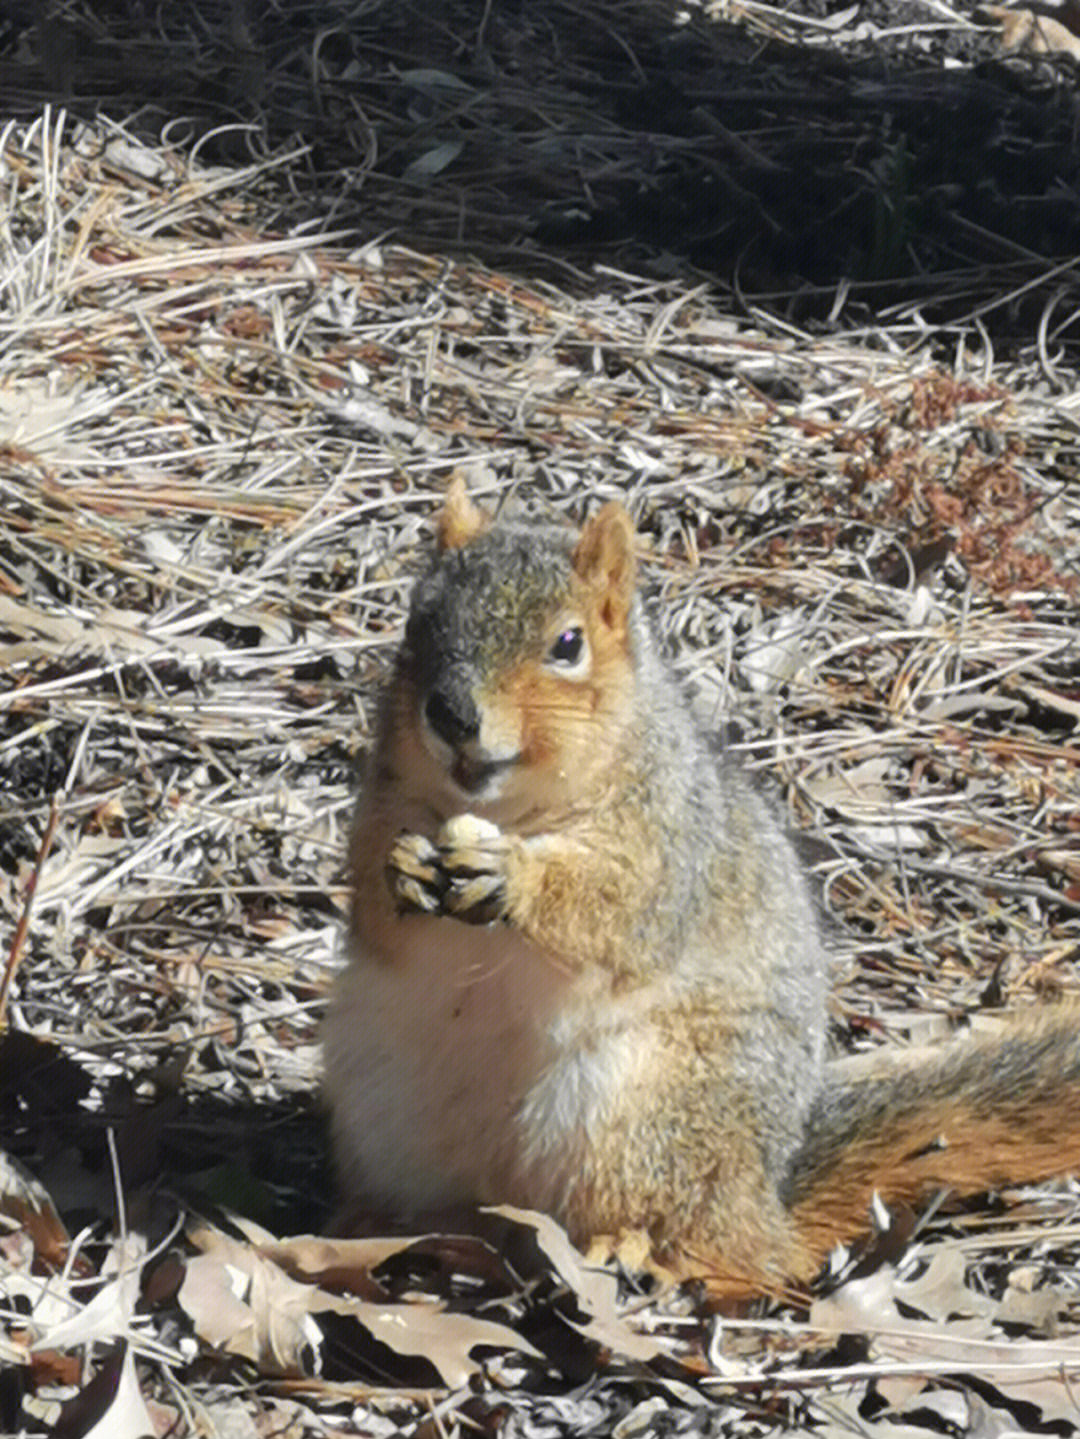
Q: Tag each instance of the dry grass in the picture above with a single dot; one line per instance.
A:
(890, 157)
(220, 442)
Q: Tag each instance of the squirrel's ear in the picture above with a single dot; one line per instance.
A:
(604, 560)
(459, 519)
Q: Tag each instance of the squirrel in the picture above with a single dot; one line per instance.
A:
(587, 973)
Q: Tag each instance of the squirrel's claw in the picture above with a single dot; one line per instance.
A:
(463, 874)
(476, 898)
(415, 874)
(473, 853)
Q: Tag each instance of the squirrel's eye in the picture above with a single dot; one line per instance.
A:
(568, 647)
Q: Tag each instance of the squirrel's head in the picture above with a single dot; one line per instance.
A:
(519, 650)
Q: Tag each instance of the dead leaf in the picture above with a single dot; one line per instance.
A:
(27, 1204)
(337, 1263)
(595, 1289)
(110, 1406)
(243, 1304)
(427, 1330)
(961, 1339)
(241, 1301)
(1037, 34)
(110, 1313)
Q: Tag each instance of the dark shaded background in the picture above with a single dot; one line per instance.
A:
(897, 155)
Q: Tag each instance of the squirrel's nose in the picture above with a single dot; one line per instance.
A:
(453, 717)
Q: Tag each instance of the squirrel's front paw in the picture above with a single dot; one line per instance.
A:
(463, 873)
(473, 855)
(415, 874)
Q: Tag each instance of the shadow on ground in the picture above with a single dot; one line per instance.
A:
(264, 1160)
(548, 135)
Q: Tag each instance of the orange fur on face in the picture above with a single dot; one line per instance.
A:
(570, 728)
(566, 729)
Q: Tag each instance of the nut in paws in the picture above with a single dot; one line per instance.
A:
(473, 853)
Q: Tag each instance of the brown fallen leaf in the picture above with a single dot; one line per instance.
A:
(595, 1289)
(243, 1302)
(959, 1336)
(110, 1406)
(337, 1264)
(27, 1205)
(1037, 34)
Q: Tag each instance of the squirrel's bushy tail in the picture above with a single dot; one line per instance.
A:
(968, 1116)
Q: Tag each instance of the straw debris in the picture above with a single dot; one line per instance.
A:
(223, 430)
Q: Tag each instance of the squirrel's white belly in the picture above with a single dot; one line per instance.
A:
(430, 1060)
